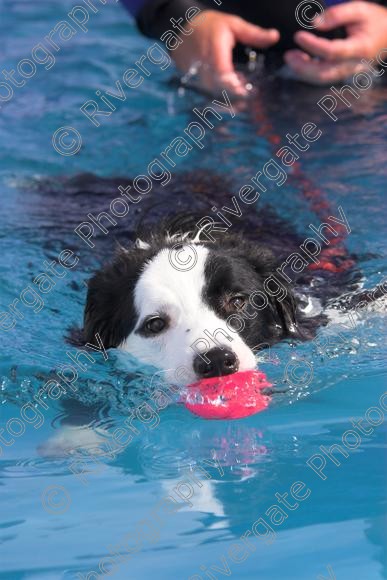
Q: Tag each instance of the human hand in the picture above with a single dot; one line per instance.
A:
(366, 28)
(211, 43)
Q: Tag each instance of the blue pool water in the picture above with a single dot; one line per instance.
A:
(57, 524)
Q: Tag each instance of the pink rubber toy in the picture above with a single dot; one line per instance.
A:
(229, 397)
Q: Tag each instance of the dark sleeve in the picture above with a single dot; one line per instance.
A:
(153, 16)
(133, 6)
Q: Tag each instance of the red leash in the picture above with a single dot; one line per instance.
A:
(335, 258)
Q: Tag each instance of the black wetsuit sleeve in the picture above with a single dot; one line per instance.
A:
(153, 17)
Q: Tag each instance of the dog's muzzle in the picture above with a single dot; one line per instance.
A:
(221, 362)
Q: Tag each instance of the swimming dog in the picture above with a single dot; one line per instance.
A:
(197, 306)
(198, 300)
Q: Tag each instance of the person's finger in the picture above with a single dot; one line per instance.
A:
(319, 72)
(253, 35)
(219, 52)
(341, 15)
(214, 83)
(219, 71)
(351, 47)
(306, 68)
(303, 66)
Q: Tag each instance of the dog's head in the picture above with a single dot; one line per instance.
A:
(192, 309)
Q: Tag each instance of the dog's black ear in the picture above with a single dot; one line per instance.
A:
(280, 296)
(110, 310)
(287, 312)
(294, 324)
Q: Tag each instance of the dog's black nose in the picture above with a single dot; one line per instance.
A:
(221, 362)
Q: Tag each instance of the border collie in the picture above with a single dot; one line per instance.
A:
(194, 309)
(187, 303)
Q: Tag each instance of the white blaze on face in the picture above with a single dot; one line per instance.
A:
(163, 289)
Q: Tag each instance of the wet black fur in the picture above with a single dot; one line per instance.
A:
(234, 265)
(257, 243)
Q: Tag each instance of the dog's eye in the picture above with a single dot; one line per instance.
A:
(238, 302)
(155, 325)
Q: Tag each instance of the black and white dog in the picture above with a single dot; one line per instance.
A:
(181, 304)
(195, 305)
(190, 303)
